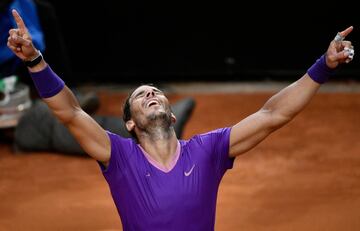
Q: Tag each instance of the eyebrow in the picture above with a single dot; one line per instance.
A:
(141, 92)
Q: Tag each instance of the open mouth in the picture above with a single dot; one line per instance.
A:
(152, 103)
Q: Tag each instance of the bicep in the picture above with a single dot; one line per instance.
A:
(251, 131)
(91, 136)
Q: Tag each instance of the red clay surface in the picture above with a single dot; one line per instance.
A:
(306, 176)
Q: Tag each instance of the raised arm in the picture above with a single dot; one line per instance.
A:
(92, 138)
(286, 104)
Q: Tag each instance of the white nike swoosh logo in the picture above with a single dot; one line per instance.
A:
(189, 172)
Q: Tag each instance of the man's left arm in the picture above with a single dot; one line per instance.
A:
(286, 104)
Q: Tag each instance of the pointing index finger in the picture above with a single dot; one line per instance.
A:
(347, 31)
(19, 22)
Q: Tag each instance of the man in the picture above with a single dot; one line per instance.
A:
(157, 181)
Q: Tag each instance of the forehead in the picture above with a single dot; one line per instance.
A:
(142, 89)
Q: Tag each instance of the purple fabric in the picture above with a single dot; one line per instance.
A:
(47, 82)
(319, 71)
(181, 199)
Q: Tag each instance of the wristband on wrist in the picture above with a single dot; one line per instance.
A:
(47, 82)
(35, 61)
(319, 71)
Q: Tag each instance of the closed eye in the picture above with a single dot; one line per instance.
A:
(158, 91)
(141, 93)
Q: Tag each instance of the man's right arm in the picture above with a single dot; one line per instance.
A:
(89, 134)
(62, 102)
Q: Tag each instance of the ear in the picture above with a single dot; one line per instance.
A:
(173, 118)
(130, 125)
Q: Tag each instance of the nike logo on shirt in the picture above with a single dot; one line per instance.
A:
(190, 171)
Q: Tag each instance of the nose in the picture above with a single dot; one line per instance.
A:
(150, 93)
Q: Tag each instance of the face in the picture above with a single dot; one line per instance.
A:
(149, 107)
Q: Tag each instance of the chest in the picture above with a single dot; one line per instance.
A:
(191, 179)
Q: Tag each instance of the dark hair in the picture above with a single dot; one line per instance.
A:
(127, 113)
(126, 109)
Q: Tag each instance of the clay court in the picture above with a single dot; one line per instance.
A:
(305, 176)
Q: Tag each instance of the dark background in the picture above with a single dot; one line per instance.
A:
(138, 40)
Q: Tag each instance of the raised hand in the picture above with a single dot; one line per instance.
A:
(20, 41)
(340, 50)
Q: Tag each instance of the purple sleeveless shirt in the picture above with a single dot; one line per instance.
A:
(183, 197)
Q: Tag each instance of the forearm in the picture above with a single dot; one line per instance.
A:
(64, 105)
(51, 88)
(287, 103)
(54, 93)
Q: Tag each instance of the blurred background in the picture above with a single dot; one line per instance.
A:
(122, 41)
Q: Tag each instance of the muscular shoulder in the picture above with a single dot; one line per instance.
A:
(121, 144)
(211, 139)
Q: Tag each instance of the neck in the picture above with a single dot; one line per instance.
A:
(157, 133)
(160, 145)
